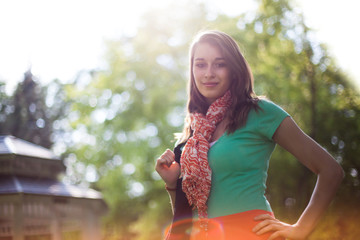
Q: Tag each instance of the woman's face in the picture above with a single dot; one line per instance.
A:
(211, 72)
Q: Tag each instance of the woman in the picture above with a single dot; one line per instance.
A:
(222, 159)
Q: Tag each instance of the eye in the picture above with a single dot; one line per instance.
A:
(220, 65)
(200, 65)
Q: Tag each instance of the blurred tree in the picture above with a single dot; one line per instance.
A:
(296, 71)
(27, 118)
(5, 107)
(29, 114)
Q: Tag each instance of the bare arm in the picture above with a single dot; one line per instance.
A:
(172, 196)
(169, 171)
(319, 161)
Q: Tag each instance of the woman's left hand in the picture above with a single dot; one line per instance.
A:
(280, 229)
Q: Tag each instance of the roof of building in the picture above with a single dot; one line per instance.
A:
(12, 145)
(31, 177)
(14, 184)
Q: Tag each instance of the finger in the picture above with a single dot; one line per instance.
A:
(165, 161)
(263, 217)
(159, 164)
(170, 154)
(263, 224)
(161, 161)
(165, 158)
(269, 228)
(265, 220)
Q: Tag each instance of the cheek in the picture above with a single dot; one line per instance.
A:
(197, 73)
(197, 77)
(227, 78)
(230, 80)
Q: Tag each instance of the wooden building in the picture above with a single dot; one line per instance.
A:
(35, 205)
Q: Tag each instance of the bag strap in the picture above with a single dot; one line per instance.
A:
(182, 220)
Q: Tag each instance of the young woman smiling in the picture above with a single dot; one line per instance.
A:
(217, 173)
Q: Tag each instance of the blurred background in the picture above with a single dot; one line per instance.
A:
(103, 85)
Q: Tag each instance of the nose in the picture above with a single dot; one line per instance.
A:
(209, 72)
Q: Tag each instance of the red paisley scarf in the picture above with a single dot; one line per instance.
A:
(195, 168)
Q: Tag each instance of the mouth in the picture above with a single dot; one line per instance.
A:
(210, 84)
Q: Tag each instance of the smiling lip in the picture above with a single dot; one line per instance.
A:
(210, 84)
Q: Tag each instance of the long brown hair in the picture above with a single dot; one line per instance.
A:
(241, 87)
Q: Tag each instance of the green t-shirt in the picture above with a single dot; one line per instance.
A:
(239, 163)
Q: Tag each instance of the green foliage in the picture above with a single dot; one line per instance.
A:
(5, 107)
(28, 114)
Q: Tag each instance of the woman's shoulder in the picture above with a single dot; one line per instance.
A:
(268, 105)
(267, 118)
(265, 102)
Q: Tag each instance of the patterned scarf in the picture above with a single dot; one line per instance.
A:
(195, 168)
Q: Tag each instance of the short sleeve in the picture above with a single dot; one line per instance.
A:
(269, 118)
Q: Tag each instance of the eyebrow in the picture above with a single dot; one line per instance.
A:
(216, 59)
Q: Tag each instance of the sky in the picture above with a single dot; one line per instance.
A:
(57, 39)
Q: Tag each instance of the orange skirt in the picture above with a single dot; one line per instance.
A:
(231, 227)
